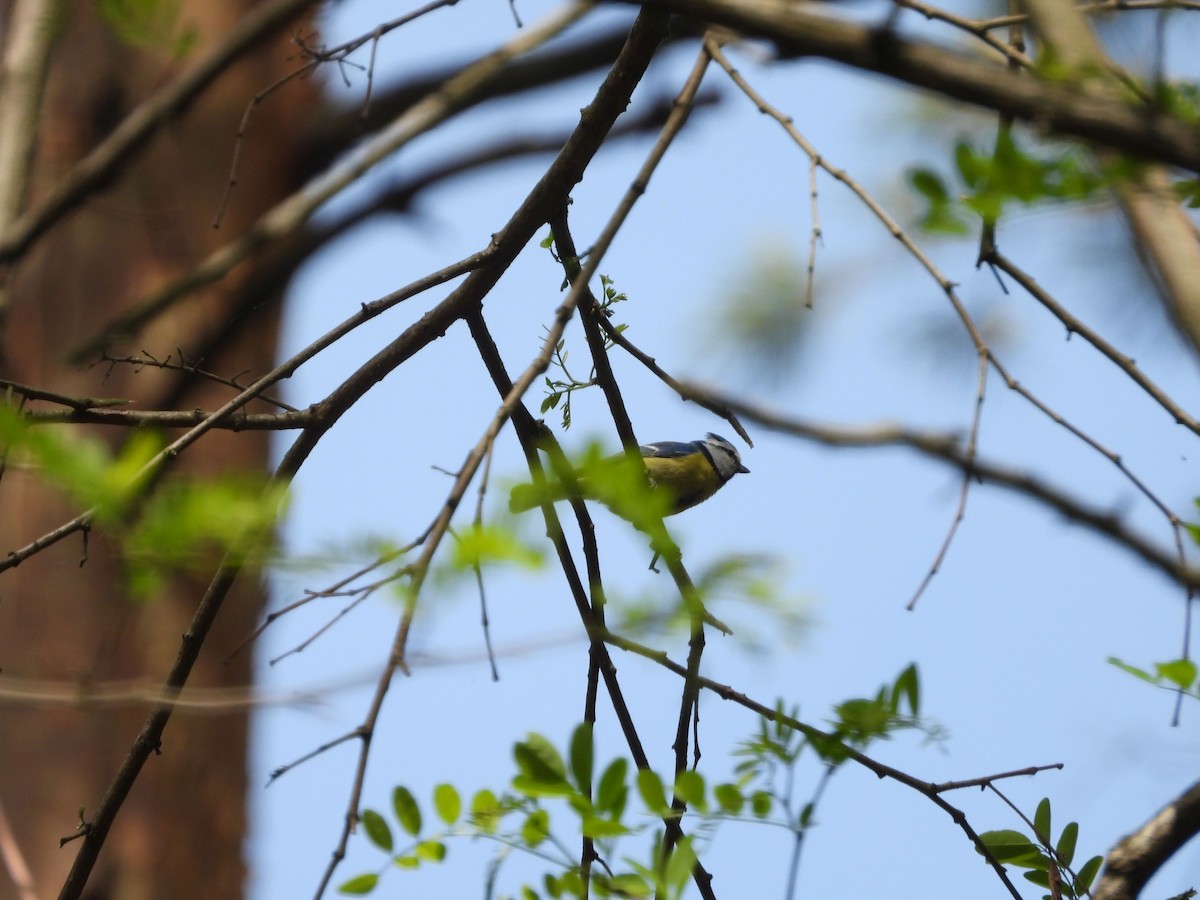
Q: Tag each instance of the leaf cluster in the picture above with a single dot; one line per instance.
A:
(993, 179)
(184, 524)
(560, 390)
(1047, 865)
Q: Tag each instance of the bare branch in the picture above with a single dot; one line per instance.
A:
(949, 448)
(1057, 109)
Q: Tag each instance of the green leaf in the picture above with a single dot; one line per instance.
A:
(446, 803)
(1040, 877)
(689, 787)
(680, 865)
(1087, 873)
(908, 686)
(1065, 848)
(929, 184)
(1011, 847)
(729, 798)
(407, 861)
(539, 758)
(486, 811)
(760, 804)
(1180, 672)
(804, 820)
(612, 791)
(1041, 820)
(650, 787)
(597, 828)
(378, 832)
(1133, 670)
(482, 545)
(542, 770)
(528, 893)
(408, 813)
(430, 851)
(536, 828)
(359, 884)
(581, 756)
(630, 885)
(571, 883)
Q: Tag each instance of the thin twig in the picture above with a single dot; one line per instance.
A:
(947, 447)
(316, 57)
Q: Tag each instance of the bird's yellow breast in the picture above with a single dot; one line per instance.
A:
(688, 479)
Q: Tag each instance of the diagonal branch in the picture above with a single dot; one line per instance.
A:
(949, 449)
(1136, 857)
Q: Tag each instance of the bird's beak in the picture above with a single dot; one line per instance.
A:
(743, 469)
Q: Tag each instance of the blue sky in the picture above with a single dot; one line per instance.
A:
(1012, 635)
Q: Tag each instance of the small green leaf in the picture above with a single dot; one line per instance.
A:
(569, 882)
(630, 885)
(481, 545)
(680, 865)
(536, 828)
(378, 832)
(650, 787)
(908, 686)
(408, 813)
(596, 828)
(1011, 847)
(543, 773)
(929, 184)
(406, 861)
(446, 803)
(486, 811)
(539, 758)
(612, 791)
(1132, 670)
(1040, 877)
(430, 851)
(689, 787)
(760, 804)
(729, 798)
(1087, 873)
(581, 756)
(1065, 848)
(359, 884)
(1180, 672)
(1041, 820)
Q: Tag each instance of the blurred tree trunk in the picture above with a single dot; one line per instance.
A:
(180, 834)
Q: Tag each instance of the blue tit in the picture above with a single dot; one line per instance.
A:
(688, 471)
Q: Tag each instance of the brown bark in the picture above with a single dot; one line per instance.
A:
(181, 832)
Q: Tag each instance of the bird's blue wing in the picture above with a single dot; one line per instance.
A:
(669, 449)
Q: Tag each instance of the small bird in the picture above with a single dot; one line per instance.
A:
(688, 472)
